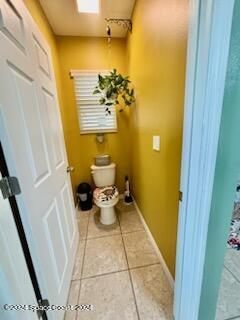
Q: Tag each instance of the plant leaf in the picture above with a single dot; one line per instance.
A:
(102, 100)
(109, 93)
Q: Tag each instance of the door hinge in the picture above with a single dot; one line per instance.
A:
(42, 303)
(180, 196)
(9, 187)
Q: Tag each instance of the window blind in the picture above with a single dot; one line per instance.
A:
(92, 117)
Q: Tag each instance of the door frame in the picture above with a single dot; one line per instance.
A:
(22, 236)
(207, 57)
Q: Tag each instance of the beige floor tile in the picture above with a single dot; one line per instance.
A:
(97, 229)
(82, 219)
(130, 221)
(82, 214)
(77, 271)
(104, 255)
(111, 296)
(73, 300)
(139, 249)
(153, 293)
(229, 297)
(232, 262)
(122, 207)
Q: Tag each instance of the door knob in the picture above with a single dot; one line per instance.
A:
(70, 169)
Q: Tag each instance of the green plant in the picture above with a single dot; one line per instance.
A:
(114, 89)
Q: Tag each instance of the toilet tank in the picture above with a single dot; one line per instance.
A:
(104, 176)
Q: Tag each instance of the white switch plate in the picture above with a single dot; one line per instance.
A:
(156, 143)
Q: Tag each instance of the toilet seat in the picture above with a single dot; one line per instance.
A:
(106, 198)
(105, 195)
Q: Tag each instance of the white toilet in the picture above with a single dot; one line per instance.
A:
(106, 195)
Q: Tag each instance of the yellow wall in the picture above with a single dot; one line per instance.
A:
(157, 54)
(91, 54)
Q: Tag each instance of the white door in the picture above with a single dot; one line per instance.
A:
(32, 140)
(15, 284)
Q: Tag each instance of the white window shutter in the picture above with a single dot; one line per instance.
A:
(92, 116)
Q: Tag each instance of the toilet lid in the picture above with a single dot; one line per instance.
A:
(105, 193)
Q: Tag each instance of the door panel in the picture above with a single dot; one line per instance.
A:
(33, 142)
(53, 124)
(69, 221)
(56, 240)
(34, 139)
(42, 58)
(11, 23)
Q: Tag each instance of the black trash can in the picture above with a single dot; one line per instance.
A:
(84, 196)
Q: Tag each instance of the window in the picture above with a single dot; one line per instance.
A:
(92, 116)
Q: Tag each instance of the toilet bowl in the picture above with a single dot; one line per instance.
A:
(106, 195)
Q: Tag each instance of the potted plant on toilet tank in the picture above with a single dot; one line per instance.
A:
(114, 89)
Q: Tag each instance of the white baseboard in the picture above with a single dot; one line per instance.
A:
(155, 246)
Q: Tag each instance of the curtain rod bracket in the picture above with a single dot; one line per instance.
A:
(125, 23)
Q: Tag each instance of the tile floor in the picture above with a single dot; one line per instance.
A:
(229, 295)
(117, 271)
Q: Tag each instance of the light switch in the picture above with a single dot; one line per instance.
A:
(156, 143)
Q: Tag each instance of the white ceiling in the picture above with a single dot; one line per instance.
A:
(66, 20)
